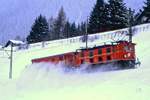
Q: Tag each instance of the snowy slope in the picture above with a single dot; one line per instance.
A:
(44, 82)
(66, 45)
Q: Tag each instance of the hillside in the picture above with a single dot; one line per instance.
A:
(47, 81)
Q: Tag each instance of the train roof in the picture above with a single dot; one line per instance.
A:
(82, 49)
(54, 55)
(104, 45)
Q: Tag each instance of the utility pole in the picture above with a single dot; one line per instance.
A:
(130, 22)
(86, 34)
(12, 43)
(11, 61)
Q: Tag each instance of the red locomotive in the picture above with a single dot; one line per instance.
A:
(121, 53)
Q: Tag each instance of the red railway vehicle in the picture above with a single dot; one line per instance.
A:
(121, 53)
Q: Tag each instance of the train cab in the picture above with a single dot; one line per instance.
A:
(108, 53)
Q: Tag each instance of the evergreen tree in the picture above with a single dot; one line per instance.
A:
(39, 31)
(60, 24)
(73, 30)
(51, 28)
(98, 18)
(67, 29)
(146, 12)
(78, 30)
(82, 28)
(118, 14)
(138, 17)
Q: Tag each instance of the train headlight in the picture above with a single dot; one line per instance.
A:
(125, 56)
(129, 54)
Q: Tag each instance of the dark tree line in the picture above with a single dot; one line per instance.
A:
(104, 17)
(143, 16)
(54, 28)
(108, 16)
(146, 11)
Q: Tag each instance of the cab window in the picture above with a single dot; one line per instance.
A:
(108, 50)
(91, 54)
(99, 51)
(82, 54)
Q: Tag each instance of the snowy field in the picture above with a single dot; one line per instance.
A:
(49, 82)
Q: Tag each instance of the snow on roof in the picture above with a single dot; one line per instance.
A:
(16, 41)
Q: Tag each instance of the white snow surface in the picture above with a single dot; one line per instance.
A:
(49, 82)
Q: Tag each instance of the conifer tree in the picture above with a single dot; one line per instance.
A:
(60, 24)
(82, 28)
(147, 10)
(118, 14)
(98, 18)
(51, 22)
(73, 30)
(39, 31)
(67, 30)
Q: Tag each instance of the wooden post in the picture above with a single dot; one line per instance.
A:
(86, 35)
(130, 25)
(11, 61)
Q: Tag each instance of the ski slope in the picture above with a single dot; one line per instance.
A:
(49, 82)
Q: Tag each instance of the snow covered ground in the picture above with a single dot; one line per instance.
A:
(49, 82)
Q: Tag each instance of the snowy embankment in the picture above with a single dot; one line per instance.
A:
(49, 82)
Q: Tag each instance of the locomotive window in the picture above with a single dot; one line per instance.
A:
(91, 60)
(91, 54)
(82, 54)
(108, 50)
(108, 57)
(114, 50)
(100, 59)
(126, 48)
(131, 48)
(99, 51)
